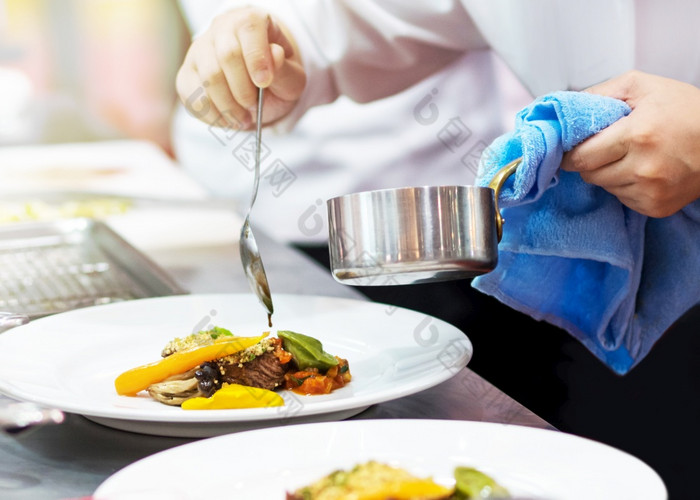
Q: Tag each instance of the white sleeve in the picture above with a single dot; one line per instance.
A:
(368, 49)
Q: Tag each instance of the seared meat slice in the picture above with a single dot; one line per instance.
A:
(257, 366)
(265, 371)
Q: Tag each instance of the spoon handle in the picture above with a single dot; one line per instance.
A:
(250, 255)
(258, 148)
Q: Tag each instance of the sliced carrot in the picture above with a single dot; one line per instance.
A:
(137, 379)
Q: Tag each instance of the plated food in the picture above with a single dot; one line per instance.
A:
(531, 463)
(214, 369)
(385, 359)
(375, 480)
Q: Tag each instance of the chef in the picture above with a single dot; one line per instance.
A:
(369, 50)
(345, 146)
(309, 53)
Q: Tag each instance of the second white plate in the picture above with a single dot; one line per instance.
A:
(265, 464)
(69, 361)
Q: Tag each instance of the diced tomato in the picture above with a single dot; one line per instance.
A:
(310, 381)
(318, 384)
(283, 356)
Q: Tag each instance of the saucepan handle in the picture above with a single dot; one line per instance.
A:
(496, 184)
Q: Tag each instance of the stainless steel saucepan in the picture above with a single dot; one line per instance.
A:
(416, 234)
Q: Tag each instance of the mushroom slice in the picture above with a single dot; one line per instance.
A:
(176, 389)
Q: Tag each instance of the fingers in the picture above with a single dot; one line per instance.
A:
(615, 179)
(646, 159)
(630, 87)
(610, 176)
(255, 37)
(205, 90)
(618, 87)
(242, 91)
(635, 183)
(217, 70)
(644, 202)
(607, 146)
(602, 160)
(290, 77)
(194, 94)
(241, 51)
(628, 196)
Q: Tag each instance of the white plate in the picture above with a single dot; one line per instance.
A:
(69, 361)
(531, 463)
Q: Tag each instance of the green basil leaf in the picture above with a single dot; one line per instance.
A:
(472, 483)
(217, 332)
(307, 351)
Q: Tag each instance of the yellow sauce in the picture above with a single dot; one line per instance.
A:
(232, 396)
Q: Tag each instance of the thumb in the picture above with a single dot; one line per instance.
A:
(278, 55)
(277, 36)
(627, 87)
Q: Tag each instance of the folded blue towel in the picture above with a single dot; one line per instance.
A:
(571, 253)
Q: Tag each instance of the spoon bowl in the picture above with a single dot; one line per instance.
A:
(254, 270)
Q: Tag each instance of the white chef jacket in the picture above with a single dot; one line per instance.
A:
(438, 91)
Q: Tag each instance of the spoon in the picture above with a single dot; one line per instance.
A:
(16, 416)
(250, 255)
(10, 320)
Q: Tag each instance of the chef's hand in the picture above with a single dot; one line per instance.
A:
(241, 50)
(650, 159)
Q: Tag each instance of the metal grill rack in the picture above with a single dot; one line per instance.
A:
(46, 268)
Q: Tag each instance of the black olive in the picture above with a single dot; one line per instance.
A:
(207, 378)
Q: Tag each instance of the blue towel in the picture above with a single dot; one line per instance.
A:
(571, 253)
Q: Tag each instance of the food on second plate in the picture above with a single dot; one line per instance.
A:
(214, 369)
(378, 481)
(472, 483)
